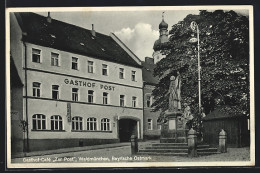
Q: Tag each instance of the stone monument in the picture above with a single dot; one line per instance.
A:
(173, 121)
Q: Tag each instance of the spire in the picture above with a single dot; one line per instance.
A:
(163, 15)
(163, 24)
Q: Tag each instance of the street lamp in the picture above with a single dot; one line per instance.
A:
(194, 26)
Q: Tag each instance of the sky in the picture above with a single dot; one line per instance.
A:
(137, 29)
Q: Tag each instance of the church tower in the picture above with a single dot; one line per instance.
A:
(163, 29)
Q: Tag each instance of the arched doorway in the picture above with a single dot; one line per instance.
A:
(127, 128)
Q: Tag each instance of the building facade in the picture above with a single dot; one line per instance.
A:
(151, 129)
(80, 87)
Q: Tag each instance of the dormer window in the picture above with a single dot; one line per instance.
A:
(82, 44)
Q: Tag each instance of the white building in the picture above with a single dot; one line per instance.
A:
(80, 87)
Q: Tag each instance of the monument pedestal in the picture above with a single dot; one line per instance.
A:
(173, 131)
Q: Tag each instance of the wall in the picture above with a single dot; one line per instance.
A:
(148, 114)
(234, 127)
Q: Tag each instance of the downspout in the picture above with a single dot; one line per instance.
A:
(26, 98)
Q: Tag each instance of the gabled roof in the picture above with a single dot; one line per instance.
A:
(71, 38)
(148, 77)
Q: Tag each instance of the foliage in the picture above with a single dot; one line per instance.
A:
(224, 54)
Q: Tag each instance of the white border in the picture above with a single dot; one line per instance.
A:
(134, 164)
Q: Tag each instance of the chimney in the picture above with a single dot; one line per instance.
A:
(49, 17)
(149, 60)
(93, 32)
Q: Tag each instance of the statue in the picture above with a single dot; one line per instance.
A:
(175, 93)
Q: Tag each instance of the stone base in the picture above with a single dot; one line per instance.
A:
(173, 131)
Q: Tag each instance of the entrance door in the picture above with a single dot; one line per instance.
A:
(127, 128)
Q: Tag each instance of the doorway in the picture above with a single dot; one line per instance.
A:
(127, 128)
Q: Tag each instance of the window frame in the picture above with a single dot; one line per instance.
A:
(133, 75)
(36, 89)
(149, 124)
(105, 124)
(75, 94)
(105, 67)
(60, 123)
(121, 73)
(55, 90)
(91, 122)
(55, 58)
(75, 64)
(37, 54)
(122, 100)
(36, 120)
(77, 123)
(134, 101)
(150, 100)
(90, 67)
(105, 99)
(91, 96)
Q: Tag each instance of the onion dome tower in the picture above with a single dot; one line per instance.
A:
(157, 47)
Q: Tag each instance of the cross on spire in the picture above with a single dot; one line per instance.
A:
(163, 15)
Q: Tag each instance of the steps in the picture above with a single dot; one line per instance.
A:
(175, 149)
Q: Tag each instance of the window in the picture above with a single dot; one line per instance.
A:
(92, 124)
(56, 122)
(121, 73)
(75, 96)
(159, 127)
(122, 100)
(148, 101)
(36, 89)
(54, 59)
(77, 123)
(39, 122)
(55, 92)
(90, 67)
(133, 75)
(105, 98)
(90, 96)
(134, 102)
(74, 63)
(104, 70)
(105, 124)
(150, 124)
(36, 55)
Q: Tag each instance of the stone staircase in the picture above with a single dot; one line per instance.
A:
(174, 149)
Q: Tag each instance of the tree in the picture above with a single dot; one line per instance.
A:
(224, 52)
